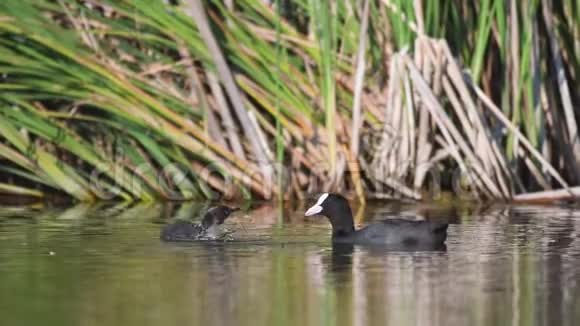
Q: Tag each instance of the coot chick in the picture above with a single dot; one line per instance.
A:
(207, 229)
(399, 233)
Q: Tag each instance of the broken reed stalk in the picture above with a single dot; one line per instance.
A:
(548, 196)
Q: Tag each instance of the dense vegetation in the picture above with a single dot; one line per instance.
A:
(189, 99)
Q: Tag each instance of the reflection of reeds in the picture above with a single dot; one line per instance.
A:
(180, 101)
(503, 263)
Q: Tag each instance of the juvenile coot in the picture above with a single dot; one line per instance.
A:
(208, 229)
(399, 233)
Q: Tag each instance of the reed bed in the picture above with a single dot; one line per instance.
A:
(191, 99)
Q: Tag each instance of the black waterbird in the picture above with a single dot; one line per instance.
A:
(396, 233)
(207, 229)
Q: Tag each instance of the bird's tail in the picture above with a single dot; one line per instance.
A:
(440, 231)
(440, 228)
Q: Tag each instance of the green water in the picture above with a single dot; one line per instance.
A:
(105, 266)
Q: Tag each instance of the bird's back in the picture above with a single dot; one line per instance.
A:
(181, 231)
(400, 232)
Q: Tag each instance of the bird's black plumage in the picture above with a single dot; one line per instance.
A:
(392, 232)
(207, 229)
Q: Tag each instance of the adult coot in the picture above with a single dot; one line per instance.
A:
(207, 229)
(398, 233)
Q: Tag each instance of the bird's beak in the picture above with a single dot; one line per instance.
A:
(313, 210)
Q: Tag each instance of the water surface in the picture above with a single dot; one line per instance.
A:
(104, 265)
